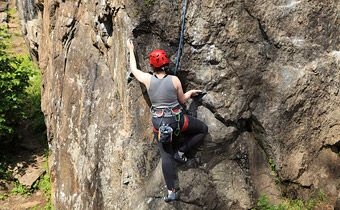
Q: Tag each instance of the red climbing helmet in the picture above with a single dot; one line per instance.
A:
(158, 58)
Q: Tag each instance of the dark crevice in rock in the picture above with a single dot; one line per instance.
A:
(262, 29)
(213, 62)
(259, 134)
(196, 46)
(67, 43)
(336, 147)
(244, 125)
(333, 147)
(290, 182)
(33, 52)
(105, 21)
(291, 188)
(226, 122)
(107, 24)
(67, 39)
(69, 35)
(40, 6)
(143, 28)
(78, 3)
(147, 28)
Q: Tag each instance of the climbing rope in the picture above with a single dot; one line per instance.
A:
(181, 40)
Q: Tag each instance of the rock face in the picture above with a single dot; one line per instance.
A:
(271, 71)
(3, 13)
(31, 22)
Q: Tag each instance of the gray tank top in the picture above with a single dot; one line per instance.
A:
(162, 92)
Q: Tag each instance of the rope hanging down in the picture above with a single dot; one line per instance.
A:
(181, 40)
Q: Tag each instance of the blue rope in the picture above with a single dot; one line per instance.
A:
(181, 40)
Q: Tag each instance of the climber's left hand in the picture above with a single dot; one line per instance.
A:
(195, 93)
(129, 44)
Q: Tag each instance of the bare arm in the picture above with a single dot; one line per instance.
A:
(183, 97)
(140, 76)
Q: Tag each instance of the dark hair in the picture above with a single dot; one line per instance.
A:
(162, 68)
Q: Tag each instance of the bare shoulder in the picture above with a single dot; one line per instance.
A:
(175, 78)
(176, 81)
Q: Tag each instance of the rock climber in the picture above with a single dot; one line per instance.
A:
(166, 95)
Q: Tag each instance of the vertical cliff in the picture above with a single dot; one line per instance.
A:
(31, 23)
(271, 71)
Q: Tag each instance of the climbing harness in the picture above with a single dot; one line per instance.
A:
(181, 40)
(164, 133)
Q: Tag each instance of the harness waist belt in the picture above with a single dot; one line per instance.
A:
(184, 128)
(165, 111)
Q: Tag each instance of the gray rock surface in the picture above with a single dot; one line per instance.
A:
(271, 71)
(27, 173)
(3, 18)
(30, 12)
(3, 13)
(3, 6)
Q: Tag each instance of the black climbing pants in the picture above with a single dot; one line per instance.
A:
(194, 135)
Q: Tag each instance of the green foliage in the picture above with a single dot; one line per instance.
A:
(4, 39)
(33, 98)
(3, 196)
(48, 206)
(274, 170)
(44, 184)
(11, 12)
(36, 207)
(20, 91)
(14, 79)
(4, 173)
(19, 189)
(264, 204)
(272, 165)
(296, 204)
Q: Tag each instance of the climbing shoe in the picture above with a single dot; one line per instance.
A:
(172, 196)
(179, 157)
